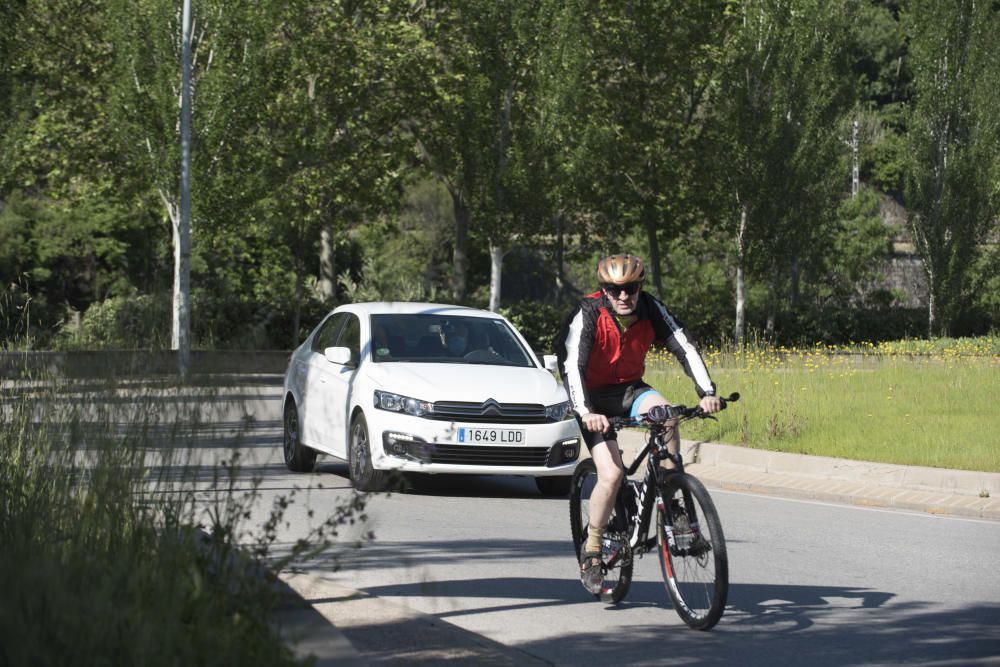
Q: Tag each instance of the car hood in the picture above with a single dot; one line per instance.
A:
(468, 382)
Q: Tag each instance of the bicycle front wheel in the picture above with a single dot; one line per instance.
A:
(615, 549)
(692, 551)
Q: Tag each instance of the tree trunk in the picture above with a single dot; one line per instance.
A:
(297, 310)
(461, 251)
(327, 264)
(560, 279)
(496, 269)
(496, 252)
(739, 331)
(654, 255)
(793, 294)
(180, 340)
(772, 312)
(932, 306)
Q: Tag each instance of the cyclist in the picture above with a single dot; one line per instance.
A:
(602, 354)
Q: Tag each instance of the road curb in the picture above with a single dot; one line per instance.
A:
(862, 483)
(307, 630)
(379, 631)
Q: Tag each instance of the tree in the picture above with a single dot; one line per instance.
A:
(59, 161)
(341, 82)
(954, 143)
(642, 82)
(468, 127)
(224, 76)
(779, 98)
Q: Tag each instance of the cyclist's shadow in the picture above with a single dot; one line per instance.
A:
(770, 604)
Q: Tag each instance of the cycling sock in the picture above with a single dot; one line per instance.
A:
(594, 537)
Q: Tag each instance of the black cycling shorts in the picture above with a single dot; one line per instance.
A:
(613, 401)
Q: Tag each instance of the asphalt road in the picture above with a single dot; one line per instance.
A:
(811, 583)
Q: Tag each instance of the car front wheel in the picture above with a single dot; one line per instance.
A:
(364, 477)
(298, 457)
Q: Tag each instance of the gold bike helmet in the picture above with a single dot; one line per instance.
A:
(620, 269)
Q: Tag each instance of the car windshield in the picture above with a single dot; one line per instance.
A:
(448, 339)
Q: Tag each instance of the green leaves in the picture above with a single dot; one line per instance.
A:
(954, 141)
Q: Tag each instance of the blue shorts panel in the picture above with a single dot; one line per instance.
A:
(637, 401)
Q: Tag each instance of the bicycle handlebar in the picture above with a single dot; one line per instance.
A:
(663, 413)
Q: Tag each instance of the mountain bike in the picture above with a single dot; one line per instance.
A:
(688, 533)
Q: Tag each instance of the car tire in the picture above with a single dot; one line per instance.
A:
(298, 457)
(554, 487)
(364, 477)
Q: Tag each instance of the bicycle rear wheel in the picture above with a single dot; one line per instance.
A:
(615, 549)
(692, 551)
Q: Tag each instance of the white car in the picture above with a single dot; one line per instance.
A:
(426, 388)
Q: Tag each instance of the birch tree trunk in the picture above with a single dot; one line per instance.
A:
(654, 250)
(772, 312)
(560, 250)
(932, 316)
(496, 269)
(327, 264)
(496, 252)
(461, 251)
(739, 331)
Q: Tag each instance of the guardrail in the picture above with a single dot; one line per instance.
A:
(139, 363)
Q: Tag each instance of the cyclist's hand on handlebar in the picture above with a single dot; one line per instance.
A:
(710, 405)
(596, 422)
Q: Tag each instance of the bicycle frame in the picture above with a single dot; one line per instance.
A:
(638, 541)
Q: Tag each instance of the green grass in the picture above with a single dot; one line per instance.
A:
(928, 405)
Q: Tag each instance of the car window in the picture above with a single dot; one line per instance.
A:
(327, 335)
(350, 337)
(446, 339)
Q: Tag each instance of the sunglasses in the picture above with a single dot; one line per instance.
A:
(628, 288)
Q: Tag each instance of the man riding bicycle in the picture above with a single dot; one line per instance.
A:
(602, 357)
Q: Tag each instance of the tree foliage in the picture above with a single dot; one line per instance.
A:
(716, 138)
(953, 177)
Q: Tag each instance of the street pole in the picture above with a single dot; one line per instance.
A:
(182, 257)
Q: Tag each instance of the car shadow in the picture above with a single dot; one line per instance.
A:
(455, 486)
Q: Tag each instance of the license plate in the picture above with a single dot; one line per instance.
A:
(490, 436)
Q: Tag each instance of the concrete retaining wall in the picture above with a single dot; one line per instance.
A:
(127, 363)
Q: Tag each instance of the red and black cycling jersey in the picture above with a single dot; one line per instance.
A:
(596, 351)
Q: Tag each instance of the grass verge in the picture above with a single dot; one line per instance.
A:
(911, 403)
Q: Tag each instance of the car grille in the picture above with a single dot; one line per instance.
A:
(490, 411)
(478, 456)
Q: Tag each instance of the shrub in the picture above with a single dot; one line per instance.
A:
(110, 555)
(137, 321)
(539, 322)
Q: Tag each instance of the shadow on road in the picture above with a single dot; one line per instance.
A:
(763, 625)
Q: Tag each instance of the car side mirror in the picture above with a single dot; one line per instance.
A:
(338, 355)
(550, 362)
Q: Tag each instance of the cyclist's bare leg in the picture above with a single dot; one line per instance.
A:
(651, 400)
(607, 458)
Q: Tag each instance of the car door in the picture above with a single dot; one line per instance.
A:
(311, 387)
(333, 389)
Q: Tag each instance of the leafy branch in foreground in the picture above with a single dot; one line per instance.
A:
(102, 559)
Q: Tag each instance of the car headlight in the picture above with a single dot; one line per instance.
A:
(559, 411)
(396, 403)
